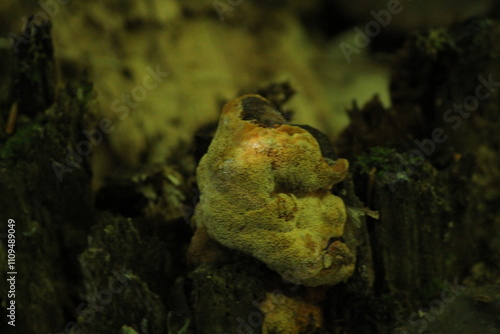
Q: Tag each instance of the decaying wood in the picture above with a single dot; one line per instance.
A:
(438, 216)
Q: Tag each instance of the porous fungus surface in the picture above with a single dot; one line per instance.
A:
(288, 315)
(265, 191)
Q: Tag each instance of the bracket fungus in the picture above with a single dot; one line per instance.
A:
(265, 191)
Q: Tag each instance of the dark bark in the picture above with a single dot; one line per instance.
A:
(438, 217)
(52, 216)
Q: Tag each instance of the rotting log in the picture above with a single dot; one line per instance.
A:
(52, 214)
(429, 165)
(78, 269)
(438, 217)
(428, 175)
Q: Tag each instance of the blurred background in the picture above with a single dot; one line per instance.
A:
(161, 71)
(215, 50)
